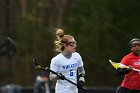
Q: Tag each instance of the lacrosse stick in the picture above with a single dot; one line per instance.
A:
(119, 65)
(40, 67)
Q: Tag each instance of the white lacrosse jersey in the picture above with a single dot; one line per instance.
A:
(68, 67)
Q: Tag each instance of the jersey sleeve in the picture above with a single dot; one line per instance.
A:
(54, 65)
(125, 61)
(80, 61)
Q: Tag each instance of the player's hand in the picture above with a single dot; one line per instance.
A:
(80, 84)
(130, 68)
(60, 76)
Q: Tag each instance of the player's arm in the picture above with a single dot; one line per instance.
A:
(81, 73)
(55, 77)
(52, 76)
(54, 67)
(123, 71)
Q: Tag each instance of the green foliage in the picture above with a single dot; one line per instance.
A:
(101, 28)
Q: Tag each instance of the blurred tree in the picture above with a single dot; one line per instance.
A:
(101, 28)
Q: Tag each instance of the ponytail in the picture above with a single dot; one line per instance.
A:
(61, 39)
(57, 42)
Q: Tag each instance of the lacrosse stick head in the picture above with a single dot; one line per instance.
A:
(39, 66)
(117, 65)
(36, 64)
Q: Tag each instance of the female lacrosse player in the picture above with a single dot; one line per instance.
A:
(66, 64)
(131, 82)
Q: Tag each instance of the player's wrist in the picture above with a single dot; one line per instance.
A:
(82, 77)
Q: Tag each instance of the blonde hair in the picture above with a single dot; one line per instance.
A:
(61, 39)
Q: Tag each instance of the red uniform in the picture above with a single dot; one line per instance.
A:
(132, 79)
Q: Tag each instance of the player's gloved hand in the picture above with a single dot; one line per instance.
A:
(130, 68)
(60, 76)
(80, 84)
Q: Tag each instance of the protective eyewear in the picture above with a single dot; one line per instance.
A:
(72, 43)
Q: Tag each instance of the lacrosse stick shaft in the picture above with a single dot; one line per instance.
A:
(38, 66)
(124, 66)
(138, 70)
(47, 69)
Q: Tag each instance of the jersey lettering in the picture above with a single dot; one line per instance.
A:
(69, 66)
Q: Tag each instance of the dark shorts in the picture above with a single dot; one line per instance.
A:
(126, 90)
